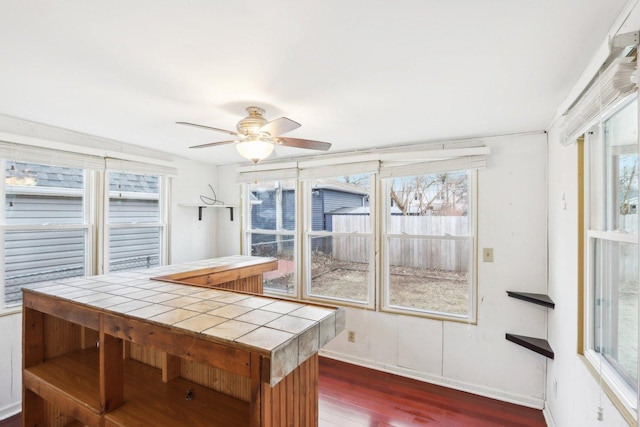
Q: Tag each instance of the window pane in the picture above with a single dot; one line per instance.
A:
(43, 194)
(37, 256)
(336, 201)
(133, 198)
(280, 247)
(616, 306)
(340, 267)
(134, 248)
(273, 205)
(621, 139)
(429, 275)
(433, 204)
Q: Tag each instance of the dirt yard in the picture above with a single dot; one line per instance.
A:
(434, 290)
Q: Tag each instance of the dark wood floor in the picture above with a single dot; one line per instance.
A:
(352, 396)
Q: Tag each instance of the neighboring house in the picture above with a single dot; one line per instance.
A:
(46, 230)
(329, 197)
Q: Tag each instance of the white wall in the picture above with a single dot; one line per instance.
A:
(573, 394)
(512, 220)
(10, 363)
(192, 239)
(228, 233)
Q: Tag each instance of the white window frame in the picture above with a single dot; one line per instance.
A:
(309, 234)
(385, 305)
(248, 231)
(108, 225)
(87, 224)
(595, 218)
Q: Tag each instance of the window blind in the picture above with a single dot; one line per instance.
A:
(48, 156)
(120, 165)
(251, 176)
(344, 169)
(395, 169)
(611, 85)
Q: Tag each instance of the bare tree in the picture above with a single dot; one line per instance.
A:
(434, 194)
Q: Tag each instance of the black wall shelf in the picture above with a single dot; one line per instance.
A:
(538, 345)
(201, 206)
(540, 299)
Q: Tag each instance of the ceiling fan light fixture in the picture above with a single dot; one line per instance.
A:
(255, 149)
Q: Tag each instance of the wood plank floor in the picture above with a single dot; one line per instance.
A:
(352, 396)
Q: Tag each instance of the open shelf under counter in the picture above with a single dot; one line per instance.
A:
(71, 382)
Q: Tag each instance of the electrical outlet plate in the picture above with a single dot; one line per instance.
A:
(351, 336)
(487, 254)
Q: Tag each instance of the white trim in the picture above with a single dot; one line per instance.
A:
(10, 410)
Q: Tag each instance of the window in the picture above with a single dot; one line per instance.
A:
(612, 251)
(338, 238)
(135, 221)
(393, 235)
(45, 225)
(429, 244)
(270, 230)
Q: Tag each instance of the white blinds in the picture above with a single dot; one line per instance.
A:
(120, 165)
(388, 165)
(344, 169)
(47, 156)
(612, 84)
(251, 176)
(392, 170)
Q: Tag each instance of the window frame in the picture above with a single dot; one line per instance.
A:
(309, 234)
(108, 226)
(248, 231)
(595, 211)
(471, 237)
(86, 226)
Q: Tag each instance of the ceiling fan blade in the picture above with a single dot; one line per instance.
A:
(212, 144)
(304, 143)
(230, 132)
(279, 126)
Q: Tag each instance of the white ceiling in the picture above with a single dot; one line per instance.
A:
(356, 73)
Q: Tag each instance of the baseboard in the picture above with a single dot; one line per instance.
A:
(10, 410)
(548, 418)
(438, 380)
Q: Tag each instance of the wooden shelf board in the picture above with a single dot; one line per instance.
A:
(538, 345)
(148, 401)
(540, 299)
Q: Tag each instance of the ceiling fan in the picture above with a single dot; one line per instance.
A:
(256, 136)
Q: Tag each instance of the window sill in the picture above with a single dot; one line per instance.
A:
(611, 388)
(10, 311)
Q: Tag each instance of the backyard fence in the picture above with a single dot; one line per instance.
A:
(439, 253)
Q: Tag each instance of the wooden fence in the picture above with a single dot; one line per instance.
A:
(433, 253)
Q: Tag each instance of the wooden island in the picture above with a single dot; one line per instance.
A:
(172, 346)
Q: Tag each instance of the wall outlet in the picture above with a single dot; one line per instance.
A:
(351, 336)
(487, 254)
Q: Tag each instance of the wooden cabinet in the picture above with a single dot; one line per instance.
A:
(112, 362)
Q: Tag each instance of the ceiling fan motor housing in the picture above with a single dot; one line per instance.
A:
(251, 124)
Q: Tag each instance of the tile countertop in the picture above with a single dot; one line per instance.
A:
(288, 332)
